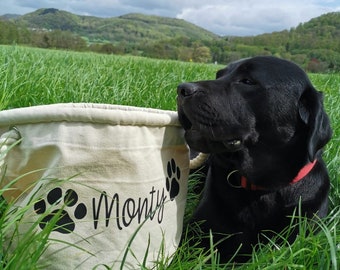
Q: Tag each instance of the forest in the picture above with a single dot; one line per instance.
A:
(314, 45)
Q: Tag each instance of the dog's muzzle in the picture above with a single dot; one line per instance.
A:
(195, 122)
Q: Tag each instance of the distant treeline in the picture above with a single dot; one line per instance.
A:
(178, 49)
(315, 45)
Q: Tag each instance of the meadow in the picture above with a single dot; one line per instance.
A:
(31, 77)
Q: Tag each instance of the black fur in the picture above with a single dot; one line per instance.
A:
(262, 119)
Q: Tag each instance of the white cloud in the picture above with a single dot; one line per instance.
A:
(252, 17)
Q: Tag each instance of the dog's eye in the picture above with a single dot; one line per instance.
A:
(247, 81)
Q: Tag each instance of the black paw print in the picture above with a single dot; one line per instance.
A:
(174, 174)
(64, 223)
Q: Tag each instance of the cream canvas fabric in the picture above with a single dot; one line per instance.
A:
(116, 174)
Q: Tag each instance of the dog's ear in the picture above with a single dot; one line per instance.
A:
(312, 113)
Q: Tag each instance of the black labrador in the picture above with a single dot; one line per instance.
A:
(264, 126)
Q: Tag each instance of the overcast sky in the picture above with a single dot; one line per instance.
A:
(223, 17)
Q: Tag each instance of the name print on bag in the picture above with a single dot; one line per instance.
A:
(105, 208)
(123, 213)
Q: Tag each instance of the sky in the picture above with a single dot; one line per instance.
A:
(222, 17)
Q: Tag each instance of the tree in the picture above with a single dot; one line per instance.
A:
(315, 66)
(201, 54)
(184, 53)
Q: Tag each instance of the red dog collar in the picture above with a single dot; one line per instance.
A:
(301, 174)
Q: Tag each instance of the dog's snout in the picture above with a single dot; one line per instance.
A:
(186, 89)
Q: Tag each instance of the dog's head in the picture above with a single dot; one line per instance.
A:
(255, 102)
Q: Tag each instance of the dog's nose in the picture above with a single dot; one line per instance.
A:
(186, 89)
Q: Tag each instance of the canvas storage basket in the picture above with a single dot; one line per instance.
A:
(116, 176)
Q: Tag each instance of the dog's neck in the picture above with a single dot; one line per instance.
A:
(304, 171)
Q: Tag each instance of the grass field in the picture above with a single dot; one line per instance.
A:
(32, 77)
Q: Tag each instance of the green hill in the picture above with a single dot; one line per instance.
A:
(319, 33)
(9, 16)
(314, 45)
(134, 28)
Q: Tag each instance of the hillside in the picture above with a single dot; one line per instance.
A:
(314, 45)
(134, 28)
(319, 33)
(9, 16)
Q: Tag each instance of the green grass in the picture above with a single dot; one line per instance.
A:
(32, 77)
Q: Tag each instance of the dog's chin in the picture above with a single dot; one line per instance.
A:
(204, 144)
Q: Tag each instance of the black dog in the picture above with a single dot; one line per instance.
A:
(264, 126)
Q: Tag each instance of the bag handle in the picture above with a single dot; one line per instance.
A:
(198, 161)
(7, 140)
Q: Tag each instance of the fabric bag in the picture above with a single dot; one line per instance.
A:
(116, 176)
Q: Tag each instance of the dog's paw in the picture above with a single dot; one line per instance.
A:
(173, 176)
(64, 223)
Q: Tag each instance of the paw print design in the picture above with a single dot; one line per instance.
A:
(64, 223)
(173, 176)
